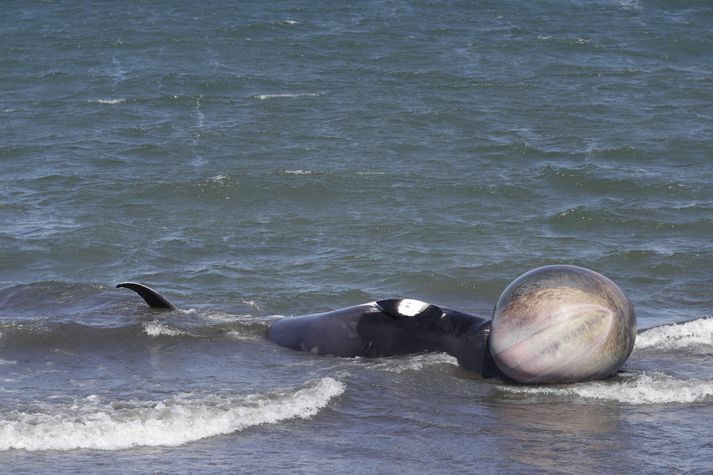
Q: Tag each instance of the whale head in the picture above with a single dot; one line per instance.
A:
(561, 324)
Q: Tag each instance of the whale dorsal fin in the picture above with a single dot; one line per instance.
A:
(153, 298)
(401, 308)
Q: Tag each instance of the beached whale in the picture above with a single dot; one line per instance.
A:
(376, 329)
(554, 324)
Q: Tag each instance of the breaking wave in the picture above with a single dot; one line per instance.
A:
(655, 388)
(693, 334)
(95, 424)
(159, 329)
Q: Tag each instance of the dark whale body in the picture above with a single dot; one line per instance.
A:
(383, 328)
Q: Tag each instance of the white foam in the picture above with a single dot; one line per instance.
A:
(221, 179)
(653, 388)
(264, 97)
(252, 303)
(108, 101)
(693, 334)
(219, 316)
(92, 424)
(631, 4)
(298, 172)
(236, 335)
(159, 329)
(416, 362)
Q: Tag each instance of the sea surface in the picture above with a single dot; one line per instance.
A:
(260, 160)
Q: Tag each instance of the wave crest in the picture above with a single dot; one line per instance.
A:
(91, 424)
(640, 390)
(694, 334)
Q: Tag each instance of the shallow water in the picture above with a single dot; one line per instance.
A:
(257, 161)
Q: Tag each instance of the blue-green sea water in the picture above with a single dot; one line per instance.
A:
(254, 160)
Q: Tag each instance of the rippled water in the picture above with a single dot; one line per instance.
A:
(262, 160)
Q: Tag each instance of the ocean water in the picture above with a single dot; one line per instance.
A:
(257, 160)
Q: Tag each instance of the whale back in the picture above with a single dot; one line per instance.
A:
(561, 324)
(385, 328)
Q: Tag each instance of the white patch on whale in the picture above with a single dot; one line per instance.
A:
(411, 307)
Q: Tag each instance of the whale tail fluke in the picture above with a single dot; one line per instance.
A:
(152, 298)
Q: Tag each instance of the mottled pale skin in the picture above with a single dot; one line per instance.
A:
(562, 324)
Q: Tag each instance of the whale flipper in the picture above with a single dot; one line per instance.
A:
(153, 298)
